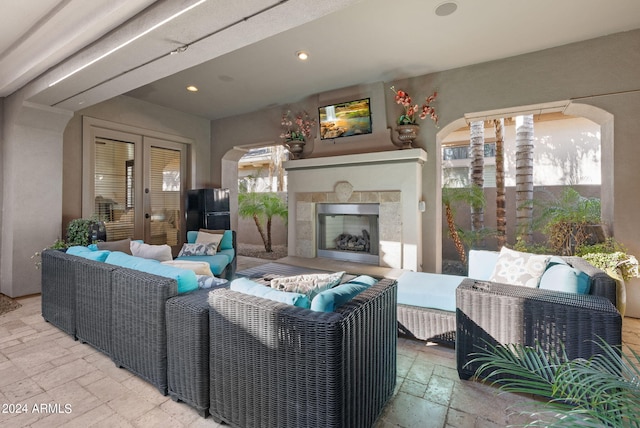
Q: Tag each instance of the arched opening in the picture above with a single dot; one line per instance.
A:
(574, 147)
(256, 168)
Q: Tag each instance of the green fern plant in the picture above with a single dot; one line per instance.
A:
(601, 391)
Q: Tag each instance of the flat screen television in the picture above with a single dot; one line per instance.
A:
(345, 119)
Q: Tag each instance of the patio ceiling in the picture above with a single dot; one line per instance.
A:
(242, 57)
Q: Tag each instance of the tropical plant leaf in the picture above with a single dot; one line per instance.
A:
(601, 391)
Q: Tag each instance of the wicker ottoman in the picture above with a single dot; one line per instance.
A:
(188, 349)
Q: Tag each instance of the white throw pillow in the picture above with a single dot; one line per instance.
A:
(309, 284)
(200, 268)
(156, 252)
(518, 268)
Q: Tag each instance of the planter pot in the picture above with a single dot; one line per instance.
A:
(295, 147)
(405, 135)
(633, 298)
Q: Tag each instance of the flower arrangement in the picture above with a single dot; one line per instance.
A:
(411, 110)
(297, 127)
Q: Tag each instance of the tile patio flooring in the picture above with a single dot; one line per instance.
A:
(41, 365)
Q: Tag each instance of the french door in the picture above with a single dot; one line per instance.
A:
(136, 184)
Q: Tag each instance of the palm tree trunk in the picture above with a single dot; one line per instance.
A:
(501, 210)
(256, 220)
(477, 170)
(268, 244)
(524, 176)
(453, 234)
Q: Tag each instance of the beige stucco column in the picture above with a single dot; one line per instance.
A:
(31, 190)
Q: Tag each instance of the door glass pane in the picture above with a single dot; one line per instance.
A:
(112, 187)
(164, 196)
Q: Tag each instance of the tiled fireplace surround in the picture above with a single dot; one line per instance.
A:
(392, 179)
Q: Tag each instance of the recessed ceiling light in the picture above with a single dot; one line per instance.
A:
(446, 8)
(192, 88)
(302, 55)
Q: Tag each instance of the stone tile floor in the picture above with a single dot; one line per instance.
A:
(48, 380)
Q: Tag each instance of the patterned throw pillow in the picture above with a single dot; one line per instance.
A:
(198, 250)
(309, 284)
(206, 281)
(518, 268)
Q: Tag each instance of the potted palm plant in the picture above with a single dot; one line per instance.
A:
(569, 221)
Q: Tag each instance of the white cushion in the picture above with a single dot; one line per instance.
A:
(518, 268)
(200, 268)
(482, 263)
(156, 252)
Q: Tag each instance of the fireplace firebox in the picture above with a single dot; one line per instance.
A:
(348, 232)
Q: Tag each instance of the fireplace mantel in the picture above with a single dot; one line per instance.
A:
(391, 178)
(410, 155)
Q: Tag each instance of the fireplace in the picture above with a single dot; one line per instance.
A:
(389, 180)
(348, 232)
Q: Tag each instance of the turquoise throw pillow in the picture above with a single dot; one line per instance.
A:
(331, 299)
(185, 278)
(560, 277)
(76, 250)
(556, 260)
(246, 286)
(363, 280)
(88, 253)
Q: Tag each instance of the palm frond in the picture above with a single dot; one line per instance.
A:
(601, 391)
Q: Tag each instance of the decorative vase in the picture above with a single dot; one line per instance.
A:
(406, 135)
(296, 148)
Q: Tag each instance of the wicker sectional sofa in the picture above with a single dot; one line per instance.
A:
(243, 359)
(481, 312)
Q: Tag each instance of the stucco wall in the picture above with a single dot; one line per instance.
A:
(600, 72)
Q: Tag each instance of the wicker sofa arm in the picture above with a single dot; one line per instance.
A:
(489, 313)
(281, 366)
(601, 283)
(59, 290)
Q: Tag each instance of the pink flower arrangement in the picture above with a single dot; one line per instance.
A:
(410, 109)
(297, 128)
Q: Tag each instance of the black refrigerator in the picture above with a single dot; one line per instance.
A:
(207, 209)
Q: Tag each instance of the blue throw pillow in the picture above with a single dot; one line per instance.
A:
(560, 277)
(331, 299)
(87, 253)
(185, 278)
(246, 286)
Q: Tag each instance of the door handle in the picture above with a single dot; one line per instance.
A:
(147, 215)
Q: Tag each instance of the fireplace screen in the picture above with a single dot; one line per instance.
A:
(348, 232)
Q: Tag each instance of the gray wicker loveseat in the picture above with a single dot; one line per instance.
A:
(477, 312)
(119, 311)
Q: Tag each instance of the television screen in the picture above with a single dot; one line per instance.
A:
(345, 119)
